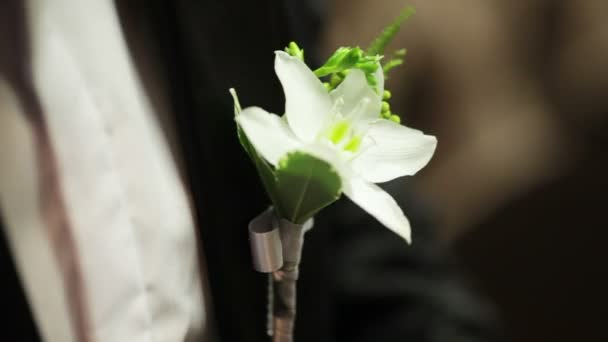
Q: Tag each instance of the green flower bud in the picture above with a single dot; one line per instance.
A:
(385, 107)
(387, 95)
(343, 74)
(371, 80)
(344, 58)
(390, 65)
(327, 86)
(294, 50)
(335, 80)
(395, 118)
(386, 115)
(368, 67)
(400, 53)
(352, 58)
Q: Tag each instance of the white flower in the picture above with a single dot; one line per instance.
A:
(344, 129)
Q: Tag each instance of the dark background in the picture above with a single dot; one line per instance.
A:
(516, 93)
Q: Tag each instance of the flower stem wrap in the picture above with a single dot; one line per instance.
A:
(285, 280)
(283, 269)
(265, 243)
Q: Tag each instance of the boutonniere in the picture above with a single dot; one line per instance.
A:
(336, 136)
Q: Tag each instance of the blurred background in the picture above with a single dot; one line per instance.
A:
(517, 94)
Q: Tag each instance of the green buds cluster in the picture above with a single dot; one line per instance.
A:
(340, 63)
(294, 50)
(378, 46)
(346, 58)
(343, 59)
(385, 112)
(387, 95)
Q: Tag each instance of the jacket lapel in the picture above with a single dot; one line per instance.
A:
(209, 47)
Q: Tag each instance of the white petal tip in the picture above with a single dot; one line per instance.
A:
(235, 99)
(283, 54)
(380, 205)
(403, 232)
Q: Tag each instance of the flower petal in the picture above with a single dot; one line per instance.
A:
(268, 133)
(391, 150)
(352, 91)
(307, 104)
(380, 79)
(379, 204)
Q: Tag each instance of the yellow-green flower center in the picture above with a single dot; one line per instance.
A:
(341, 134)
(338, 131)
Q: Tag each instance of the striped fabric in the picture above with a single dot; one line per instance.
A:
(96, 214)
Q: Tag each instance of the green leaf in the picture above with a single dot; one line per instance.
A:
(265, 171)
(369, 64)
(305, 185)
(379, 44)
(241, 135)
